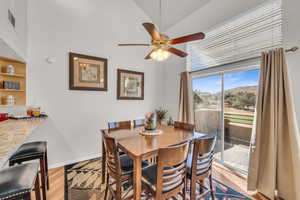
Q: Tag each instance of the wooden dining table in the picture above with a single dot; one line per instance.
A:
(140, 148)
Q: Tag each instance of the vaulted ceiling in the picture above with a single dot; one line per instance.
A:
(174, 11)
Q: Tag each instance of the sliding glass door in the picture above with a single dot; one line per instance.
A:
(224, 106)
(208, 107)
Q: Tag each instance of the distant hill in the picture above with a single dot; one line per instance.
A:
(245, 89)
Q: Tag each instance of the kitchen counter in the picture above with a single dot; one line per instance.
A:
(13, 133)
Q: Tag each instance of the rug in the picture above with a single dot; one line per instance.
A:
(83, 182)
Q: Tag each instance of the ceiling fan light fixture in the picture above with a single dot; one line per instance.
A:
(160, 54)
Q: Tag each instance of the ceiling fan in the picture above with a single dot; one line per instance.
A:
(162, 43)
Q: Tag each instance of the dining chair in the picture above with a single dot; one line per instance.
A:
(112, 126)
(34, 151)
(119, 125)
(167, 178)
(19, 181)
(138, 122)
(185, 126)
(199, 166)
(119, 169)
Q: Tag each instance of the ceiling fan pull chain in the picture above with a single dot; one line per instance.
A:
(160, 17)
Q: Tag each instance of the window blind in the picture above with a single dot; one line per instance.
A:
(240, 38)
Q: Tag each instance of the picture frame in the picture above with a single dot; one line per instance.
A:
(87, 72)
(130, 85)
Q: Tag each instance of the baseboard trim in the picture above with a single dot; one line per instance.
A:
(64, 163)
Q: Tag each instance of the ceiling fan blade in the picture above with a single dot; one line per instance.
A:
(134, 44)
(176, 51)
(152, 31)
(148, 56)
(187, 38)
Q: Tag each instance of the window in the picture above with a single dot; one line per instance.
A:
(240, 38)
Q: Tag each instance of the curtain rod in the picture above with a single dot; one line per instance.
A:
(293, 49)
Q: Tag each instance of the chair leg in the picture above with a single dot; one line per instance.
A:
(27, 196)
(201, 186)
(193, 188)
(11, 163)
(37, 188)
(184, 189)
(46, 165)
(211, 187)
(119, 190)
(103, 170)
(42, 166)
(106, 188)
(111, 196)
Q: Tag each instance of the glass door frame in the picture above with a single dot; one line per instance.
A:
(222, 73)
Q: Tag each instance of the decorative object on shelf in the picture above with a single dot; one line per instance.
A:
(150, 121)
(10, 69)
(161, 114)
(170, 121)
(130, 85)
(11, 85)
(10, 100)
(87, 72)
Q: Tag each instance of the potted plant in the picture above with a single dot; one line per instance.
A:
(161, 114)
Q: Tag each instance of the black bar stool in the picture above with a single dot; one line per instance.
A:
(32, 151)
(17, 182)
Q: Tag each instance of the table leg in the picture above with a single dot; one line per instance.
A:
(137, 178)
(103, 168)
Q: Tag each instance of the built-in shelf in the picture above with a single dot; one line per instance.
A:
(12, 75)
(11, 90)
(19, 77)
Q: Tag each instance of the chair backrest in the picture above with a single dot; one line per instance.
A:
(138, 122)
(171, 170)
(185, 126)
(119, 125)
(112, 156)
(203, 153)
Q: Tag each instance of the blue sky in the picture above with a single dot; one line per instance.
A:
(213, 84)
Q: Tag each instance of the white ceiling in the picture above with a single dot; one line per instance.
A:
(174, 11)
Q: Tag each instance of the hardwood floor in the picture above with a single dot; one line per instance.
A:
(57, 184)
(222, 174)
(234, 180)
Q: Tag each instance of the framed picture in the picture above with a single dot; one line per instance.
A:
(130, 85)
(87, 72)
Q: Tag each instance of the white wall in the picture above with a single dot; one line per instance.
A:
(291, 34)
(172, 69)
(15, 38)
(92, 27)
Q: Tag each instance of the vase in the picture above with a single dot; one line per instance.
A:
(150, 122)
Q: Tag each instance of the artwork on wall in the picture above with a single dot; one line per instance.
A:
(87, 72)
(130, 85)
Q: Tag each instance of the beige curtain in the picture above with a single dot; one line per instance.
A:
(186, 113)
(274, 159)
